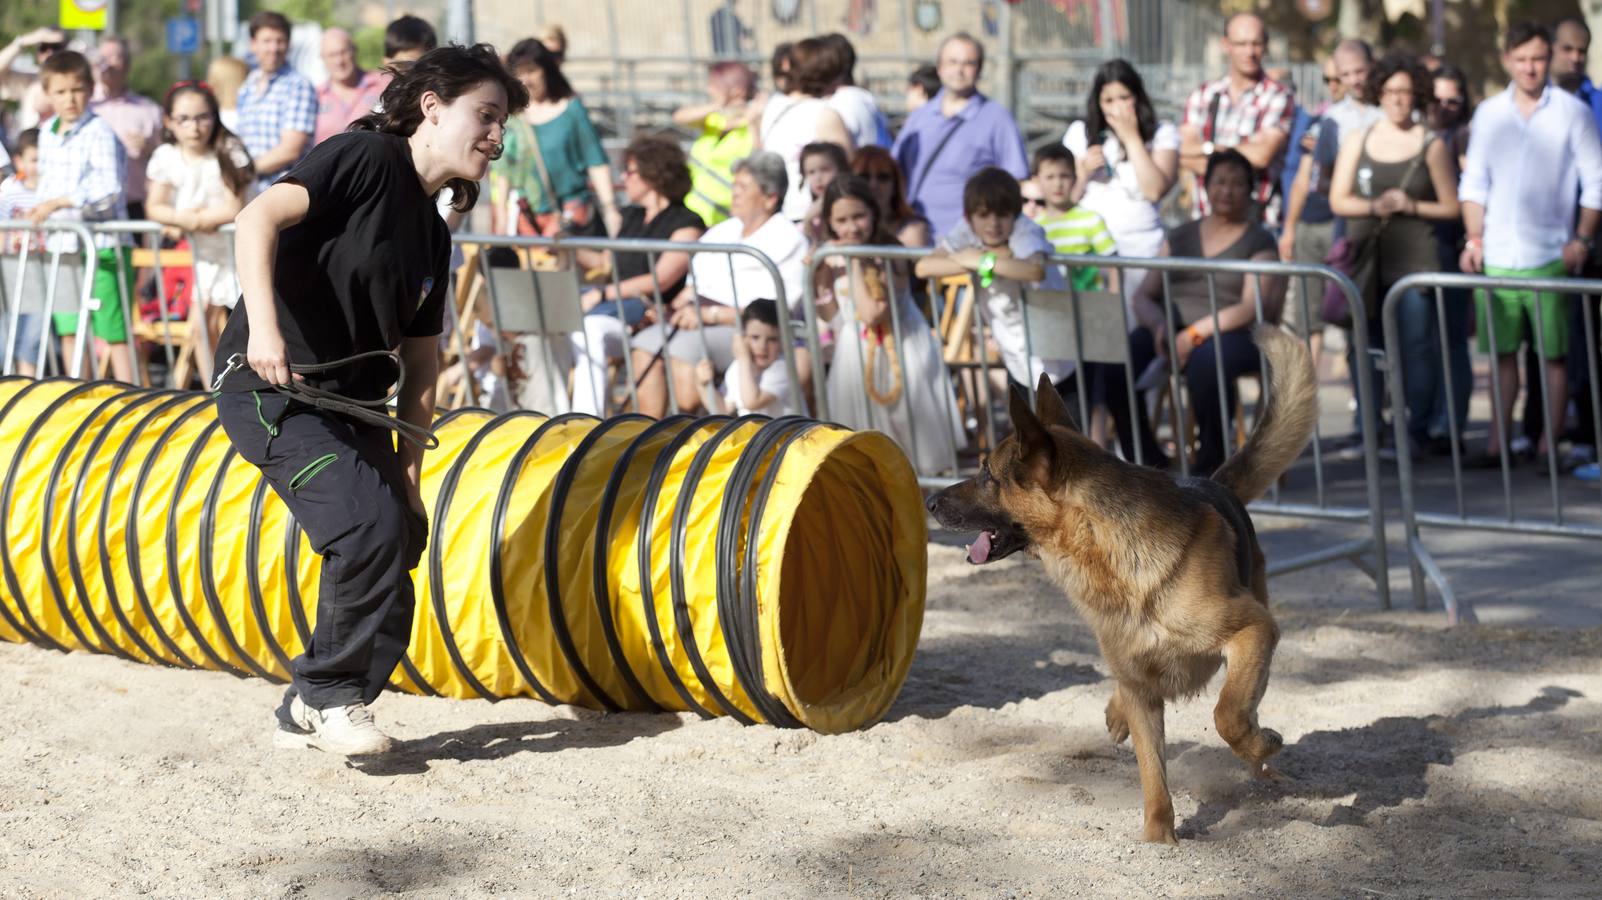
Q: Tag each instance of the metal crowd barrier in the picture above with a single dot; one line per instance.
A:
(546, 303)
(67, 288)
(1092, 327)
(1561, 521)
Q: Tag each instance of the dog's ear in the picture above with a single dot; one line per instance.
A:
(1037, 452)
(1050, 408)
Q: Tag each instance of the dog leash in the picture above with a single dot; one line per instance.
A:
(372, 412)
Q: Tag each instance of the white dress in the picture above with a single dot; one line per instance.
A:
(197, 184)
(926, 398)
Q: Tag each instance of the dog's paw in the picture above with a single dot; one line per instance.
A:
(1266, 772)
(1160, 833)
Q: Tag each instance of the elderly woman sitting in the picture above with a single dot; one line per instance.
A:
(706, 315)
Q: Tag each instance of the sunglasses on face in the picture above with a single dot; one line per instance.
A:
(1034, 201)
(880, 176)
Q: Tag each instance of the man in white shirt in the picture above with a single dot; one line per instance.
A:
(1534, 149)
(856, 106)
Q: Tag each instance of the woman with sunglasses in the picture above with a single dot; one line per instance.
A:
(1127, 161)
(879, 169)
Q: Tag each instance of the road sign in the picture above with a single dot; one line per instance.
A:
(89, 14)
(183, 34)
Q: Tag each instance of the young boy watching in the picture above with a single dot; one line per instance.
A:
(81, 171)
(1072, 230)
(757, 381)
(1007, 254)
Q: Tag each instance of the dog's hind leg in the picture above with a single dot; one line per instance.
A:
(1247, 655)
(1145, 717)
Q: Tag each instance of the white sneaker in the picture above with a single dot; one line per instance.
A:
(346, 730)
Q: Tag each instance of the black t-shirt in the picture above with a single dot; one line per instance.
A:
(365, 269)
(661, 228)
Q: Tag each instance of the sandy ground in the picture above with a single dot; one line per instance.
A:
(1426, 762)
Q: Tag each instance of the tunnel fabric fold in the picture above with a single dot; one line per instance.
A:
(768, 570)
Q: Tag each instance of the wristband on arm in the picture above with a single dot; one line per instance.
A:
(987, 269)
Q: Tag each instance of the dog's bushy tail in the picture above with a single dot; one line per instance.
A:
(1284, 427)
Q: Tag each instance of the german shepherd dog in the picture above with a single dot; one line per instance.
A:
(1166, 571)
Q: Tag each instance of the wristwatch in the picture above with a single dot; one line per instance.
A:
(1207, 148)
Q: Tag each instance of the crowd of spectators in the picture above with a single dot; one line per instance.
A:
(1398, 174)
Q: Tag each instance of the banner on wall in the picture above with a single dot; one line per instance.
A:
(83, 14)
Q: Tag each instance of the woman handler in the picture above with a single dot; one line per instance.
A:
(346, 254)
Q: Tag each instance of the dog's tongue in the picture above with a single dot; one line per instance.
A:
(979, 550)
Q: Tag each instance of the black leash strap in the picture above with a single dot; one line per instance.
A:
(372, 412)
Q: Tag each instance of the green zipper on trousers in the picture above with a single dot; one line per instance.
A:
(307, 473)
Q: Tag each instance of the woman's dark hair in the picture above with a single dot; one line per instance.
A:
(848, 185)
(1118, 71)
(764, 311)
(834, 152)
(448, 72)
(222, 143)
(813, 68)
(1397, 64)
(871, 159)
(778, 65)
(408, 33)
(1448, 72)
(1228, 156)
(661, 164)
(992, 190)
(927, 78)
(530, 53)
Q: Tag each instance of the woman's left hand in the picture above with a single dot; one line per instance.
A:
(687, 317)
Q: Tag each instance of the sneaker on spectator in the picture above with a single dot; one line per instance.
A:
(346, 730)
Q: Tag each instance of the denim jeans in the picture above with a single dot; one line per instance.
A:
(1419, 361)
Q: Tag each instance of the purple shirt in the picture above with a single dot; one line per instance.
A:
(982, 134)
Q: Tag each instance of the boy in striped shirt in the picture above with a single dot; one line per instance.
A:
(1071, 229)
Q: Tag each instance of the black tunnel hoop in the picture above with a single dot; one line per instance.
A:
(436, 565)
(741, 631)
(75, 565)
(653, 490)
(681, 517)
(207, 551)
(19, 453)
(258, 607)
(208, 591)
(553, 540)
(748, 596)
(503, 500)
(47, 520)
(21, 619)
(601, 571)
(132, 545)
(101, 519)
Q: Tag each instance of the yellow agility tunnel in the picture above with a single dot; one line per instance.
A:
(772, 570)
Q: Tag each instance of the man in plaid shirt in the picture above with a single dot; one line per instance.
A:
(1245, 110)
(277, 105)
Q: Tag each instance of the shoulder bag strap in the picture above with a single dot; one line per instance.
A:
(928, 164)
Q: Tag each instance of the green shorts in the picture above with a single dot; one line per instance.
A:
(106, 323)
(1511, 308)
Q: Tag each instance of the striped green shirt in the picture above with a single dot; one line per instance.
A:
(1080, 232)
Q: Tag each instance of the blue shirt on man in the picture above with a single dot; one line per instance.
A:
(938, 154)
